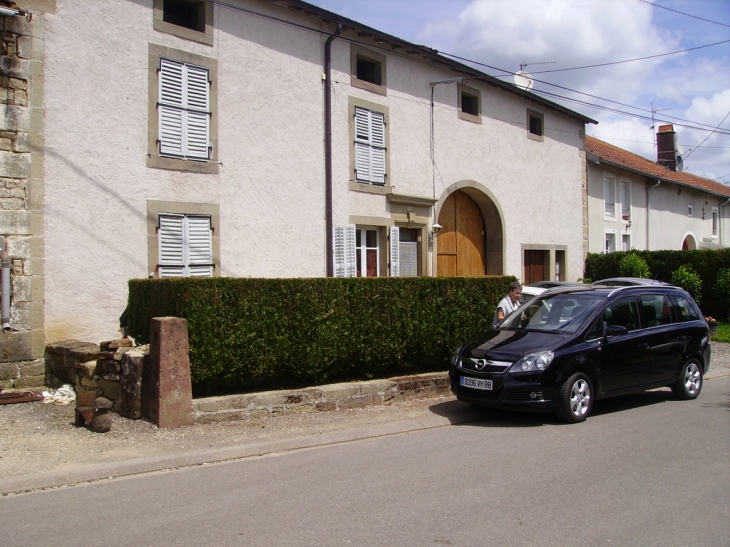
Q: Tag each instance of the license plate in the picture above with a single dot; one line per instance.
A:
(475, 383)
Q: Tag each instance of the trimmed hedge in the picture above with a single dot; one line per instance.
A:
(276, 333)
(662, 264)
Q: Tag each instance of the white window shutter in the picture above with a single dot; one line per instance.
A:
(199, 247)
(344, 251)
(184, 110)
(394, 251)
(377, 158)
(170, 244)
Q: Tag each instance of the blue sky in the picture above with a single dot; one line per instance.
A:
(687, 89)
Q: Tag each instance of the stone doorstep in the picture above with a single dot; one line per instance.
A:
(326, 398)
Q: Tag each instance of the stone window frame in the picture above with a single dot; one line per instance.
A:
(473, 92)
(157, 207)
(206, 37)
(154, 159)
(355, 186)
(539, 115)
(370, 55)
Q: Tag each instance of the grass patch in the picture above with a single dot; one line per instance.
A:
(723, 332)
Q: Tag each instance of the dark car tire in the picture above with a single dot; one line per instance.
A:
(576, 399)
(689, 384)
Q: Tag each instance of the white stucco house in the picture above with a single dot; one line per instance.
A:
(635, 203)
(272, 138)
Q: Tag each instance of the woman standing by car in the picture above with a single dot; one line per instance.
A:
(509, 303)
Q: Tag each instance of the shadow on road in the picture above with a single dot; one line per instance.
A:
(460, 413)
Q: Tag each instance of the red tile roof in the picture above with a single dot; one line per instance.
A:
(621, 157)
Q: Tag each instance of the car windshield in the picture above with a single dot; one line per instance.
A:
(563, 312)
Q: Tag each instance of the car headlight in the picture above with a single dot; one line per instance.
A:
(533, 362)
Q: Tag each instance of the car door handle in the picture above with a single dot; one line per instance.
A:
(644, 346)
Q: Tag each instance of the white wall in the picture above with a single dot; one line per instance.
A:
(270, 185)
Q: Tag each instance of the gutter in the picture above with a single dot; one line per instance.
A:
(329, 259)
(5, 265)
(10, 12)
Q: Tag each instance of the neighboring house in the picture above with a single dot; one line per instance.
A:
(272, 138)
(635, 203)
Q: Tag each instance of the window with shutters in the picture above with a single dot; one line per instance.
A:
(609, 196)
(185, 246)
(183, 111)
(183, 239)
(369, 146)
(359, 251)
(189, 19)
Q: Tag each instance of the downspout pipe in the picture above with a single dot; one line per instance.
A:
(648, 188)
(328, 150)
(5, 265)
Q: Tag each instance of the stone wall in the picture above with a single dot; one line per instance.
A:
(87, 366)
(21, 197)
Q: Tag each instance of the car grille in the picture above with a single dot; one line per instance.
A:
(484, 365)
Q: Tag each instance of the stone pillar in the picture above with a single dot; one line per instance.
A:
(168, 396)
(133, 367)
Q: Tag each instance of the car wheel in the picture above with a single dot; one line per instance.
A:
(689, 384)
(576, 399)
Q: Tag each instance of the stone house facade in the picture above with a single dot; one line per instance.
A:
(263, 139)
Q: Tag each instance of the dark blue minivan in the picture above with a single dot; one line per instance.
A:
(566, 348)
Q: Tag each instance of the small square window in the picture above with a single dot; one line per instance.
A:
(369, 71)
(189, 19)
(535, 125)
(689, 210)
(469, 104)
(184, 14)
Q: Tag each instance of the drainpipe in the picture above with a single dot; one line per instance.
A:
(649, 187)
(328, 149)
(5, 265)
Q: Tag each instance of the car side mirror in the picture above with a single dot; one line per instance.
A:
(616, 330)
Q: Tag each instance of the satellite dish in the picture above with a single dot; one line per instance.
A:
(523, 80)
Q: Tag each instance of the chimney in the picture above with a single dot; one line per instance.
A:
(666, 143)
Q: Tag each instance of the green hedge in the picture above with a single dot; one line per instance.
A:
(275, 333)
(662, 265)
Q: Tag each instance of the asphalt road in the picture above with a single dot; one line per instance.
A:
(643, 470)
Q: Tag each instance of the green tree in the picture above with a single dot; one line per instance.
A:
(689, 280)
(722, 292)
(632, 265)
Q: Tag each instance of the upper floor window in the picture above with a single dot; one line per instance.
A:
(625, 200)
(469, 104)
(367, 69)
(535, 125)
(190, 19)
(690, 211)
(609, 196)
(369, 146)
(183, 111)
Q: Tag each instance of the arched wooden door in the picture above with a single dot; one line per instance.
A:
(461, 241)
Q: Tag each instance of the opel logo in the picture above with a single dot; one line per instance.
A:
(479, 364)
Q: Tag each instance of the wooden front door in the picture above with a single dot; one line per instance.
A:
(461, 241)
(534, 266)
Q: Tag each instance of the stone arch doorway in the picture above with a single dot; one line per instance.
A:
(470, 242)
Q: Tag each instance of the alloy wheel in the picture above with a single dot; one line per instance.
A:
(580, 397)
(692, 378)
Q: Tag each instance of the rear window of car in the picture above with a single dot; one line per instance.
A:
(656, 309)
(685, 310)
